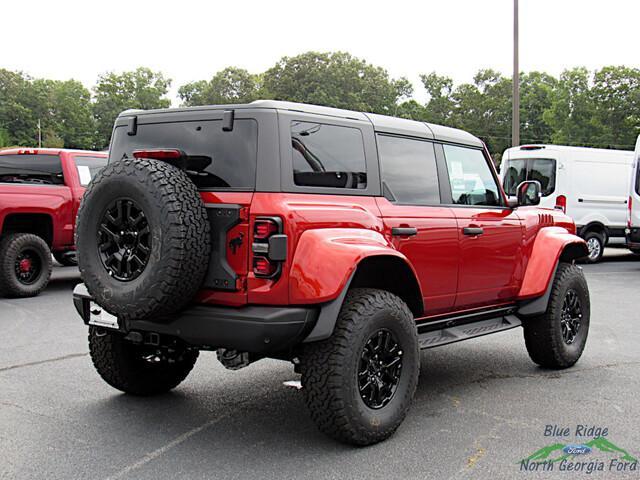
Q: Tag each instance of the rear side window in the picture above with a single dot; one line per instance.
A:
(409, 170)
(638, 177)
(328, 156)
(222, 160)
(472, 182)
(88, 167)
(38, 169)
(541, 169)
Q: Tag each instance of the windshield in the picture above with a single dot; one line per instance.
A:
(220, 160)
(88, 167)
(30, 168)
(541, 169)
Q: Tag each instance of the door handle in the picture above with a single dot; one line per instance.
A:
(472, 231)
(404, 231)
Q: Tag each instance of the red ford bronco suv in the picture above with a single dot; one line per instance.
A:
(40, 192)
(341, 241)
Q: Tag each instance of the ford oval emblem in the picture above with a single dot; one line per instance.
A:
(576, 449)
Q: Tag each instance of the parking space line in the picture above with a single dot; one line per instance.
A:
(40, 362)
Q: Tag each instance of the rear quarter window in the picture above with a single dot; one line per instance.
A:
(227, 159)
(328, 156)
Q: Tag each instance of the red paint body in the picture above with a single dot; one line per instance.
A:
(59, 202)
(328, 235)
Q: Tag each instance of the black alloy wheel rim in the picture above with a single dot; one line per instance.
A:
(379, 369)
(28, 266)
(124, 240)
(570, 316)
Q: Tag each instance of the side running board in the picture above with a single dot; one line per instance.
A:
(443, 336)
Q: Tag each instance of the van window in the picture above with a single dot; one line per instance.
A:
(540, 169)
(223, 160)
(638, 178)
(409, 169)
(328, 156)
(39, 169)
(88, 167)
(472, 182)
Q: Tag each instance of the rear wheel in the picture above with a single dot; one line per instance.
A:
(595, 244)
(138, 369)
(557, 338)
(359, 383)
(25, 265)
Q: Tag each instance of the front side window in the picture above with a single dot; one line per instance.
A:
(88, 167)
(328, 156)
(31, 168)
(472, 182)
(541, 169)
(409, 170)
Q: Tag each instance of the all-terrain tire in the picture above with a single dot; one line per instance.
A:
(122, 365)
(13, 281)
(178, 236)
(596, 243)
(66, 260)
(330, 369)
(543, 335)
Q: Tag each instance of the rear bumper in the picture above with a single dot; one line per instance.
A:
(633, 237)
(255, 329)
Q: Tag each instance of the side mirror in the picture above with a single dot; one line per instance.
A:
(529, 193)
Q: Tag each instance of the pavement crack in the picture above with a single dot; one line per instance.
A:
(40, 362)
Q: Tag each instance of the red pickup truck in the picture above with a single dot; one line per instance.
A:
(40, 192)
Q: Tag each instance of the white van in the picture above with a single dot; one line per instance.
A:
(633, 223)
(591, 185)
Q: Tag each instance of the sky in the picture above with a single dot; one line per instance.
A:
(191, 40)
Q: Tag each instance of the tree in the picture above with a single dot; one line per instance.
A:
(72, 114)
(17, 101)
(141, 88)
(440, 107)
(335, 80)
(536, 97)
(231, 85)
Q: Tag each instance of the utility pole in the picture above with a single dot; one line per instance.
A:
(515, 118)
(39, 134)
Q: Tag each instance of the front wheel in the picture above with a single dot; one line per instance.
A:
(359, 383)
(556, 339)
(138, 369)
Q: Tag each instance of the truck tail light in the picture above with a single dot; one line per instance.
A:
(269, 247)
(630, 208)
(561, 203)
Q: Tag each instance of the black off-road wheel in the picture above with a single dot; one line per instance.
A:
(66, 259)
(25, 265)
(557, 338)
(138, 369)
(359, 384)
(143, 239)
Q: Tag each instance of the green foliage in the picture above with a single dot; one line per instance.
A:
(335, 80)
(116, 92)
(231, 85)
(600, 109)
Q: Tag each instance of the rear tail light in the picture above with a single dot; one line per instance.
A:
(561, 203)
(630, 208)
(269, 247)
(263, 267)
(264, 228)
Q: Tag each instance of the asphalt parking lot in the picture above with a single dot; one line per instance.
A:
(481, 405)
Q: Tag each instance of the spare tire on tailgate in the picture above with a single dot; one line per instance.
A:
(143, 238)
